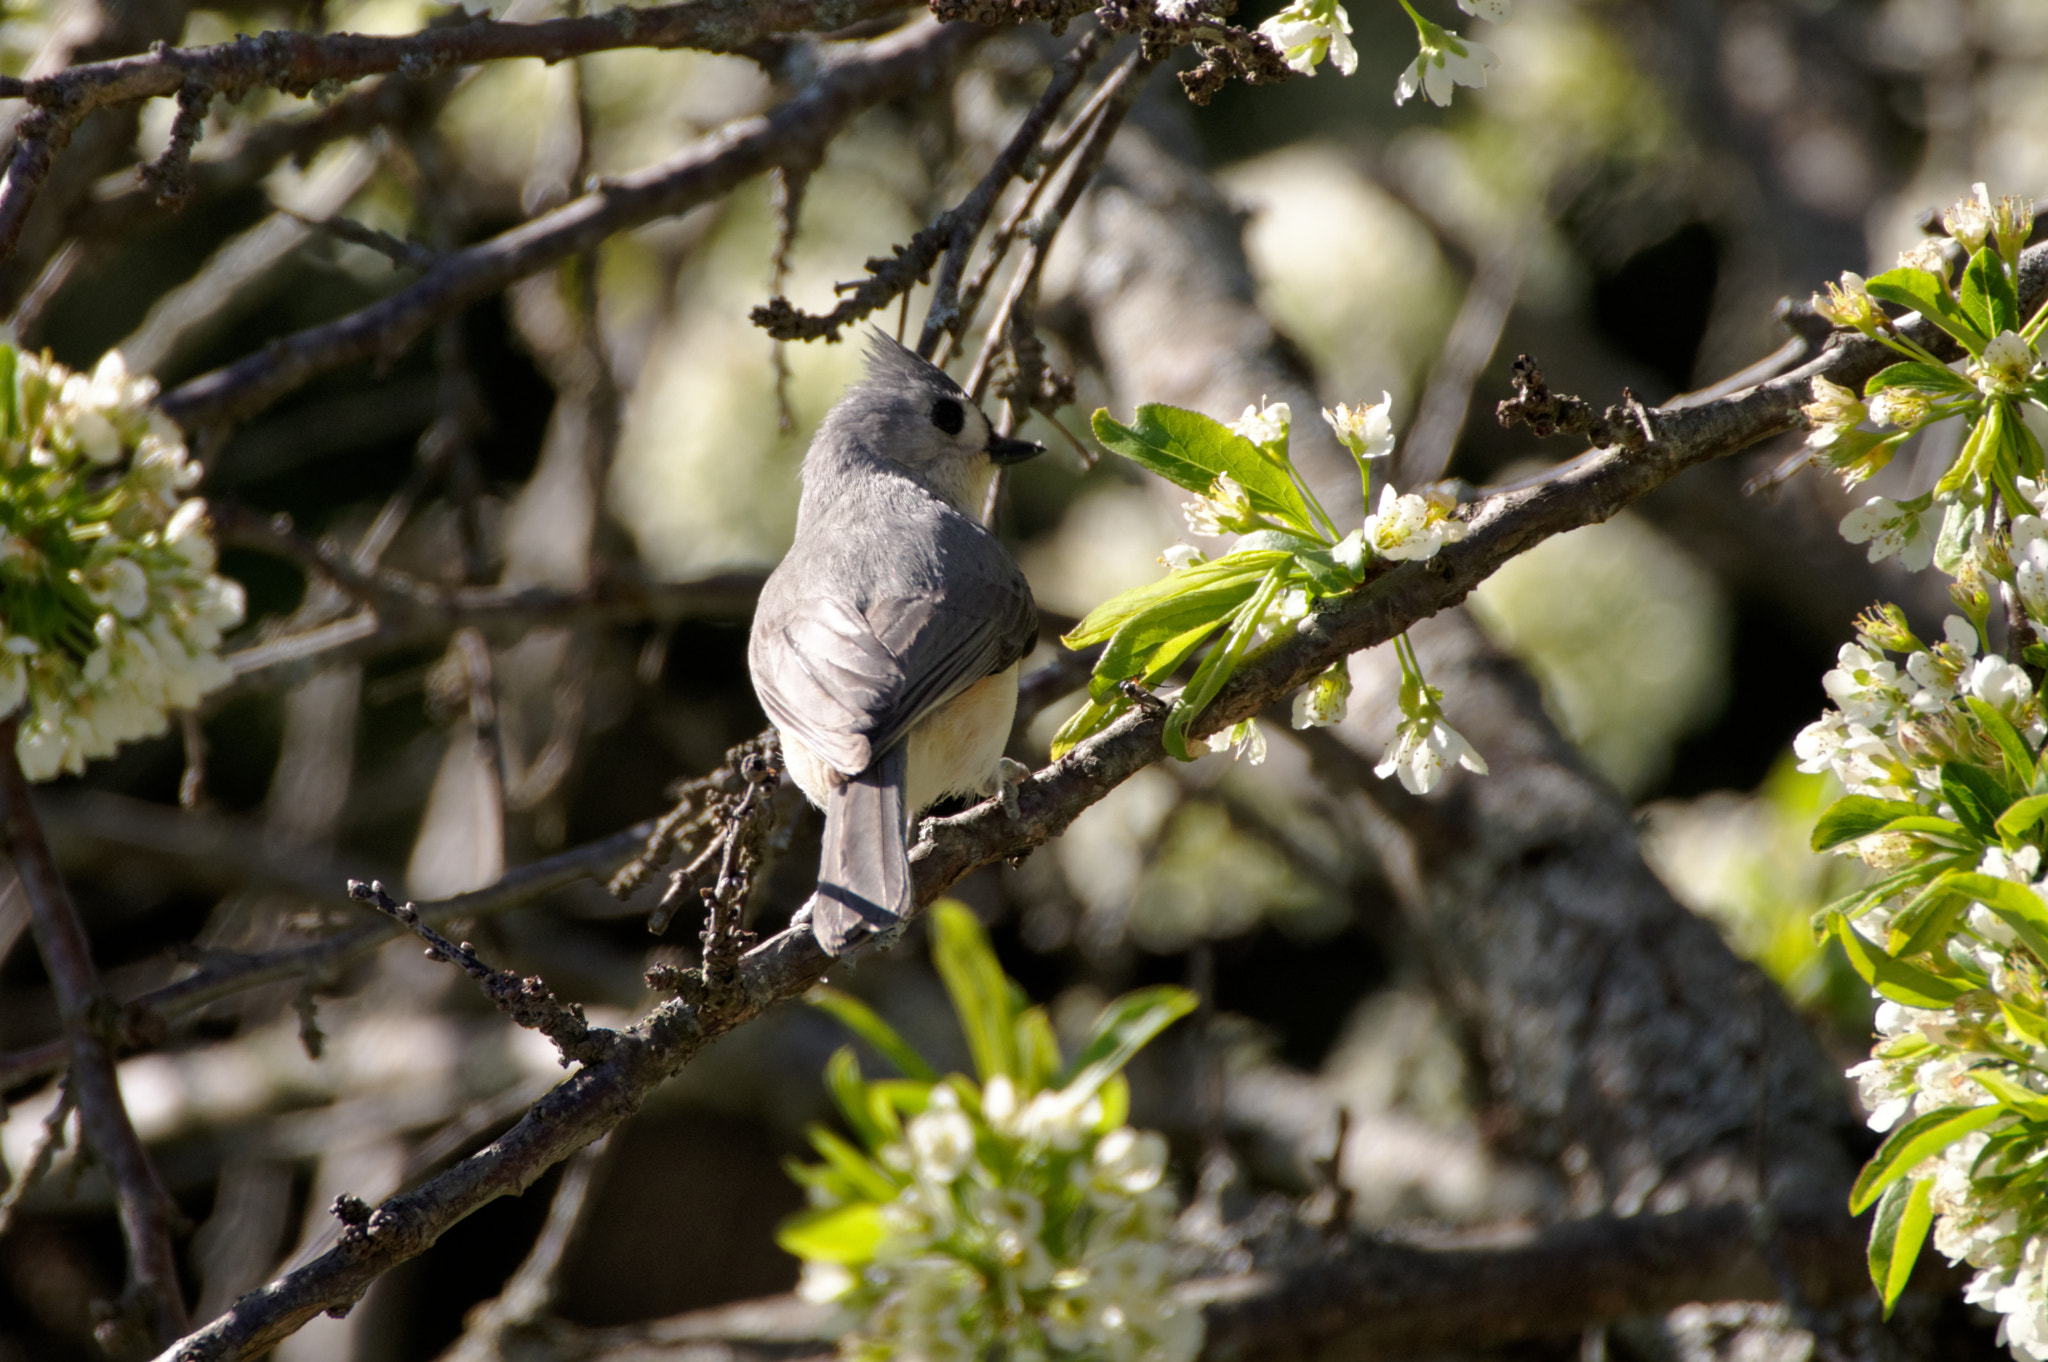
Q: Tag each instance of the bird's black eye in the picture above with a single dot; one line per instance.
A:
(948, 415)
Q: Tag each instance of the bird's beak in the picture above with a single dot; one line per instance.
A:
(1004, 451)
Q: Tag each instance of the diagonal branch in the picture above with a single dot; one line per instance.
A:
(598, 1097)
(793, 133)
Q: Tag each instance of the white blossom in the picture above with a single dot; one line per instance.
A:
(941, 1141)
(1264, 425)
(1310, 31)
(1445, 61)
(1325, 700)
(1968, 220)
(1892, 530)
(1226, 510)
(1410, 527)
(1243, 740)
(2006, 366)
(1493, 11)
(1367, 432)
(1422, 750)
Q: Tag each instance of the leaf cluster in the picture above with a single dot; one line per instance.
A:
(1998, 801)
(1287, 557)
(1013, 1044)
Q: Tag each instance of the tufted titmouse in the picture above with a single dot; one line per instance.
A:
(885, 645)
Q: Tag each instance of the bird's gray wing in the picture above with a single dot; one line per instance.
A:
(850, 683)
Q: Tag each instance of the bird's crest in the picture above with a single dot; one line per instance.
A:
(890, 365)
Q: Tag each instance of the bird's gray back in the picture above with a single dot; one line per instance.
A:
(890, 603)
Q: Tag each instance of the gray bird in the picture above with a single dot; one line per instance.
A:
(885, 646)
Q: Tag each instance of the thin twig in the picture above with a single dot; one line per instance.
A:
(1040, 236)
(298, 62)
(224, 974)
(793, 132)
(148, 1215)
(971, 215)
(527, 1001)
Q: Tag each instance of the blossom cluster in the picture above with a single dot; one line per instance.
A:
(1410, 527)
(1939, 746)
(111, 613)
(1310, 32)
(1289, 555)
(1018, 1216)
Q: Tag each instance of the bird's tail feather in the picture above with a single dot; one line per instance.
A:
(864, 872)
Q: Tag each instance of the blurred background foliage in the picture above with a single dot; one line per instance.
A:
(1648, 178)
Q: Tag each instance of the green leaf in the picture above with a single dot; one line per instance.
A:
(1854, 816)
(1091, 718)
(1123, 1029)
(1857, 901)
(857, 1017)
(1926, 923)
(1120, 609)
(1920, 377)
(1038, 1050)
(1923, 293)
(1268, 541)
(2019, 820)
(850, 1094)
(11, 427)
(1977, 796)
(1895, 979)
(842, 1234)
(1217, 667)
(1151, 645)
(2019, 907)
(858, 1171)
(2026, 1021)
(2028, 1103)
(1897, 1235)
(979, 989)
(1920, 1138)
(2019, 758)
(1116, 1103)
(1987, 296)
(1192, 450)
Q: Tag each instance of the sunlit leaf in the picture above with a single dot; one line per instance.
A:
(1919, 290)
(1218, 666)
(1895, 979)
(1192, 450)
(1896, 1236)
(1920, 1138)
(1986, 294)
(1124, 1028)
(1854, 816)
(976, 983)
(843, 1234)
(857, 1017)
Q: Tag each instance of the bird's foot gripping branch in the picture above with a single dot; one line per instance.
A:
(1941, 754)
(1289, 556)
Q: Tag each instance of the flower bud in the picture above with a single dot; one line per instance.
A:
(1850, 304)
(1884, 627)
(2012, 222)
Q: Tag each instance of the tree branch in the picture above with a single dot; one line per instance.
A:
(298, 63)
(596, 1098)
(147, 1212)
(793, 133)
